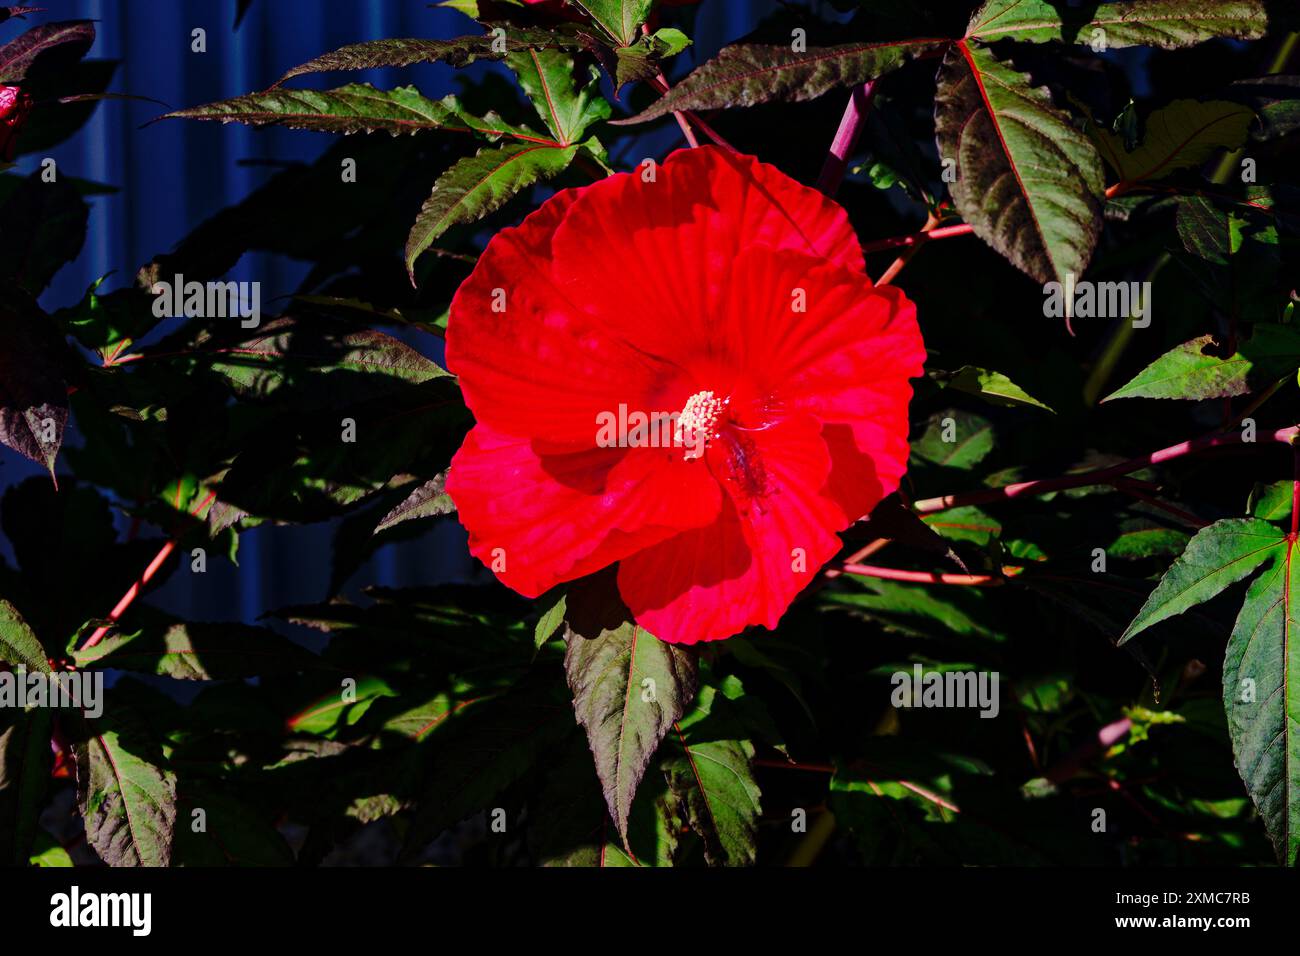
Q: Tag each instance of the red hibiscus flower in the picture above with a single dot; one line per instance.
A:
(728, 304)
(14, 107)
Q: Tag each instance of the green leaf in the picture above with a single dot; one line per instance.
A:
(480, 184)
(1181, 135)
(619, 18)
(965, 524)
(1275, 100)
(127, 799)
(1162, 23)
(25, 761)
(749, 74)
(1198, 370)
(18, 55)
(567, 108)
(108, 324)
(485, 750)
(1272, 502)
(991, 386)
(1218, 556)
(572, 827)
(1261, 696)
(550, 622)
(461, 51)
(1144, 539)
(46, 852)
(193, 650)
(955, 439)
(643, 60)
(1028, 182)
(709, 772)
(19, 647)
(333, 712)
(355, 108)
(428, 500)
(628, 689)
(235, 832)
(33, 395)
(313, 364)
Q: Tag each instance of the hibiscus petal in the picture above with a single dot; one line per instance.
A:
(710, 583)
(845, 359)
(531, 363)
(676, 239)
(540, 519)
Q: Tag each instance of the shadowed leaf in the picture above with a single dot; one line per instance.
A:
(480, 184)
(749, 74)
(1027, 181)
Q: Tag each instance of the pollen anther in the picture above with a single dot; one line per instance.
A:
(697, 424)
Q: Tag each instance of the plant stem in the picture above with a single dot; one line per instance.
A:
(924, 577)
(1099, 476)
(133, 592)
(916, 238)
(1295, 490)
(846, 138)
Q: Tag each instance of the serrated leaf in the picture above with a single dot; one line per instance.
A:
(480, 184)
(565, 106)
(1272, 502)
(19, 646)
(25, 760)
(1198, 370)
(461, 51)
(572, 826)
(1183, 134)
(486, 750)
(1216, 557)
(18, 55)
(550, 621)
(989, 385)
(1028, 182)
(748, 74)
(194, 650)
(628, 689)
(427, 501)
(1261, 696)
(1163, 23)
(315, 365)
(33, 395)
(619, 18)
(355, 108)
(709, 771)
(127, 799)
(643, 60)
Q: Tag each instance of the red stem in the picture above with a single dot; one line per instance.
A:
(920, 577)
(1295, 491)
(133, 592)
(896, 242)
(846, 138)
(1098, 476)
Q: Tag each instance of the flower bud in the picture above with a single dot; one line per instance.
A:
(14, 107)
